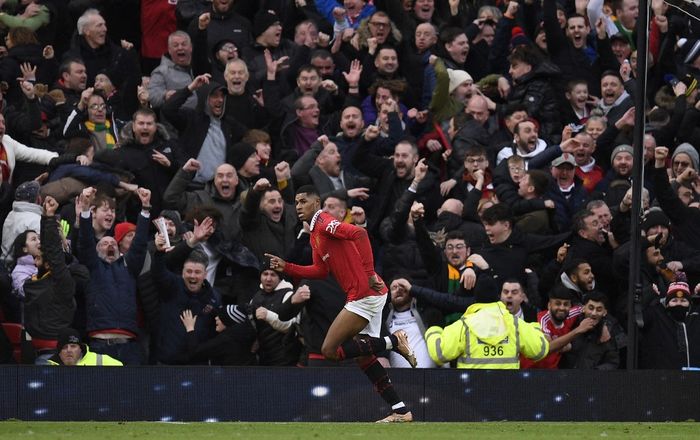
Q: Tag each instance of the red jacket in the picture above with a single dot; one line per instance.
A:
(343, 250)
(157, 23)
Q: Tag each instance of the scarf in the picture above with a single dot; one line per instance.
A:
(486, 193)
(104, 129)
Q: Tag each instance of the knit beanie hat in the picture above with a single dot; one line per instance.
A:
(486, 290)
(624, 148)
(27, 191)
(121, 229)
(263, 20)
(690, 151)
(457, 77)
(70, 336)
(518, 37)
(239, 153)
(655, 217)
(231, 314)
(678, 289)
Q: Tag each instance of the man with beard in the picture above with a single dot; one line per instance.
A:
(205, 134)
(174, 71)
(344, 251)
(671, 332)
(404, 315)
(147, 154)
(617, 180)
(598, 348)
(578, 277)
(526, 142)
(557, 323)
(111, 294)
(589, 244)
(678, 256)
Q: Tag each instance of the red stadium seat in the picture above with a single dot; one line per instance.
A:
(14, 334)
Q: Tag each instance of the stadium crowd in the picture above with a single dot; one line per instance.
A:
(471, 139)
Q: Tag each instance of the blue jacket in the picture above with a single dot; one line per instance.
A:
(174, 299)
(111, 293)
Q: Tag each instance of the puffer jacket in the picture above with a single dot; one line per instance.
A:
(534, 90)
(277, 339)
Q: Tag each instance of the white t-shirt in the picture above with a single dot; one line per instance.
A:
(407, 322)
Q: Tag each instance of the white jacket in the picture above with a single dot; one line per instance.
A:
(20, 152)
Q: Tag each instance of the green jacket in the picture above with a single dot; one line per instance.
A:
(12, 21)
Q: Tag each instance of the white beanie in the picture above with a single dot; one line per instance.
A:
(457, 77)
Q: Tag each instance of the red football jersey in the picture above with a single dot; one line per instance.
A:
(550, 329)
(343, 250)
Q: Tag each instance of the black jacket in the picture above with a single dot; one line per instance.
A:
(275, 347)
(194, 124)
(684, 220)
(666, 344)
(49, 300)
(534, 90)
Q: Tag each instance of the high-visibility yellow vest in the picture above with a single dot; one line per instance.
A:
(91, 359)
(487, 336)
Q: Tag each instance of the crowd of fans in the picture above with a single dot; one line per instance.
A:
(471, 139)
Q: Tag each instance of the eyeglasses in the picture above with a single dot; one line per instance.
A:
(229, 48)
(455, 247)
(681, 164)
(310, 107)
(477, 160)
(379, 24)
(516, 169)
(98, 106)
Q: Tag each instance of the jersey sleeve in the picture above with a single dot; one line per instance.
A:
(331, 228)
(317, 270)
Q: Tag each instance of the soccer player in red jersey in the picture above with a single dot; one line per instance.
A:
(344, 251)
(557, 323)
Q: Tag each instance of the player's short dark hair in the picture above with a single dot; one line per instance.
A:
(309, 190)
